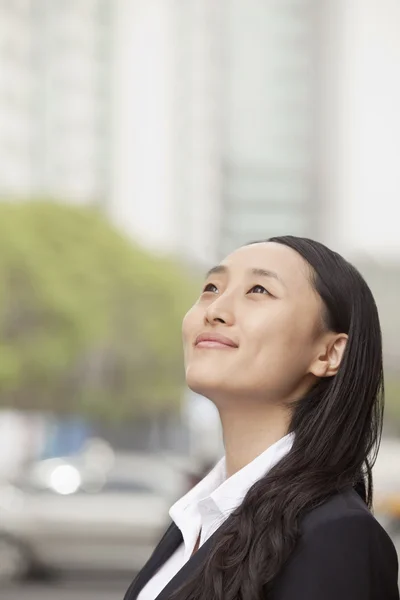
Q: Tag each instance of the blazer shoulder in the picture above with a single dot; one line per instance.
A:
(346, 506)
(346, 519)
(343, 552)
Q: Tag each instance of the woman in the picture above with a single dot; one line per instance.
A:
(285, 340)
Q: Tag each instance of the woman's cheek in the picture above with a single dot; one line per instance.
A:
(189, 323)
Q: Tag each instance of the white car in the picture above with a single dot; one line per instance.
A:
(63, 516)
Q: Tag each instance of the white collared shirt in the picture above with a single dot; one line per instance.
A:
(207, 505)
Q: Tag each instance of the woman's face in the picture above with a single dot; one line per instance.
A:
(261, 300)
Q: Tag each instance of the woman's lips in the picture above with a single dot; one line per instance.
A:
(211, 344)
(215, 341)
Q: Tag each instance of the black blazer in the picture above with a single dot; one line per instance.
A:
(343, 554)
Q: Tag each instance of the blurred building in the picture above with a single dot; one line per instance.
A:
(200, 125)
(71, 45)
(55, 111)
(292, 124)
(221, 128)
(15, 98)
(142, 197)
(246, 119)
(247, 133)
(270, 98)
(360, 127)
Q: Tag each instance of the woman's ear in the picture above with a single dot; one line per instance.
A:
(329, 359)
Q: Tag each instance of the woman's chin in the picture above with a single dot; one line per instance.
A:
(205, 383)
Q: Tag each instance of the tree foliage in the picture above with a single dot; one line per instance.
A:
(392, 395)
(89, 323)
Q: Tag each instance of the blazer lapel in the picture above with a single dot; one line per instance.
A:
(167, 545)
(188, 568)
(170, 541)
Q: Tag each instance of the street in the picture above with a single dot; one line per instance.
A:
(68, 589)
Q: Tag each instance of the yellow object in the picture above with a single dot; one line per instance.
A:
(388, 504)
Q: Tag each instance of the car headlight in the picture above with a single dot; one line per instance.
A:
(65, 479)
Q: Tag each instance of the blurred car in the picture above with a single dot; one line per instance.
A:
(65, 515)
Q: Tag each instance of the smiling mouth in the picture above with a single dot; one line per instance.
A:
(214, 340)
(214, 344)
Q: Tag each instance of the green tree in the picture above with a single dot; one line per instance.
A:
(392, 396)
(89, 322)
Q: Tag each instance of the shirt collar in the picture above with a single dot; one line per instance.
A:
(199, 492)
(231, 492)
(224, 495)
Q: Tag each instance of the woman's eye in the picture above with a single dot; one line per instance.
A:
(210, 287)
(258, 289)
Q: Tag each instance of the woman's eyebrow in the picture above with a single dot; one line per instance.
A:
(216, 270)
(265, 273)
(254, 271)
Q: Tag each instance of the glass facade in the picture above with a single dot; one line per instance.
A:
(55, 66)
(269, 100)
(246, 106)
(71, 101)
(15, 97)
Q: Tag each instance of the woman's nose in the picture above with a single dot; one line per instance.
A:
(220, 311)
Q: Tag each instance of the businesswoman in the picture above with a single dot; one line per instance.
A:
(285, 340)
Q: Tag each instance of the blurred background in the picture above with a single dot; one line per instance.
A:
(140, 141)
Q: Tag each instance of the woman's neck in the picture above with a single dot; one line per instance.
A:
(248, 432)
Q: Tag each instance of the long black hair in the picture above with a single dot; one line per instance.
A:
(337, 429)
